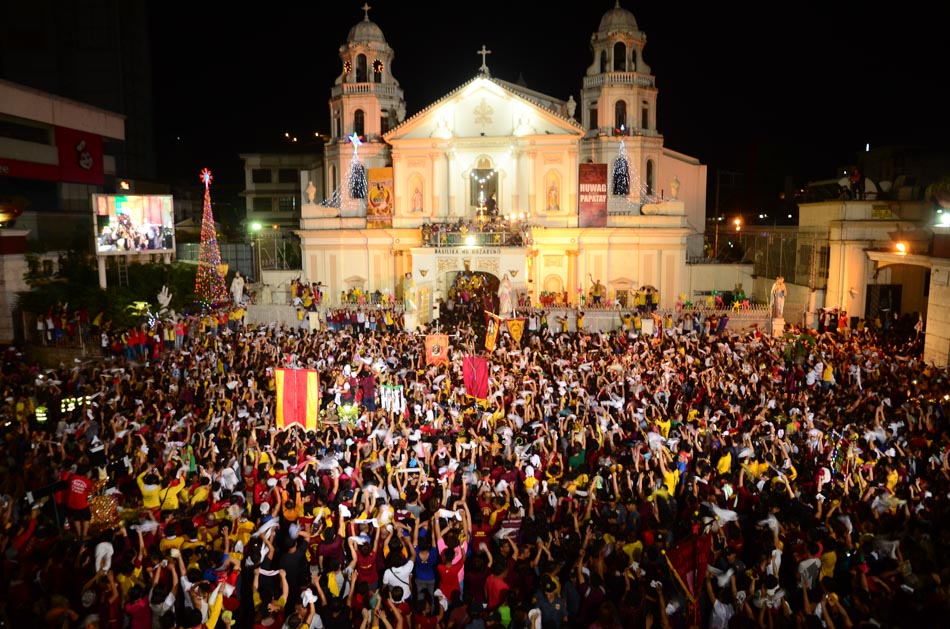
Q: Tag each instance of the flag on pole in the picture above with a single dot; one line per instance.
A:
(475, 376)
(515, 328)
(491, 333)
(437, 349)
(298, 398)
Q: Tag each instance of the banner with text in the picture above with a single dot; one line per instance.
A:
(592, 195)
(379, 202)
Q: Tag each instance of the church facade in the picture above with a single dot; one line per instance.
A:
(499, 179)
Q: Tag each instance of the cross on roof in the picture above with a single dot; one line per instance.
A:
(366, 9)
(483, 52)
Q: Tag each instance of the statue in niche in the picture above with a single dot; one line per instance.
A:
(553, 202)
(417, 200)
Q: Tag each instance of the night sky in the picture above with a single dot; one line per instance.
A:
(771, 92)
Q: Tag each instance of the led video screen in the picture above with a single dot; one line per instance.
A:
(128, 224)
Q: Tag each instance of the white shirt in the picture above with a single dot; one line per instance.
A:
(400, 575)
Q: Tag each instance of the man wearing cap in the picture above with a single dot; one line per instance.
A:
(552, 606)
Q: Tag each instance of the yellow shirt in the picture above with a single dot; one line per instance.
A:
(150, 499)
(168, 497)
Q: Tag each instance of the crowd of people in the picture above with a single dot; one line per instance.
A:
(704, 477)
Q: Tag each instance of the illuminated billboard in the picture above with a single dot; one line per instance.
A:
(130, 224)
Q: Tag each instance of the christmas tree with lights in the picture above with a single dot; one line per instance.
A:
(621, 173)
(209, 281)
(356, 173)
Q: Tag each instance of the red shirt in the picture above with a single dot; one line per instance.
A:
(79, 489)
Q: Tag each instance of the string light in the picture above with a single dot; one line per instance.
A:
(621, 173)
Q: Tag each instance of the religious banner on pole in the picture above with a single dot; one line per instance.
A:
(592, 196)
(437, 349)
(491, 332)
(475, 376)
(298, 398)
(515, 328)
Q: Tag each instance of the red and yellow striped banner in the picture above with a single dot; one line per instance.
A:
(298, 398)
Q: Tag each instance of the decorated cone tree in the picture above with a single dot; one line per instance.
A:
(210, 289)
(621, 173)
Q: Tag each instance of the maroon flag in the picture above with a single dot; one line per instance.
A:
(689, 559)
(475, 374)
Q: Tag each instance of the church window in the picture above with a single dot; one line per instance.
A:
(361, 68)
(651, 176)
(603, 61)
(592, 113)
(377, 71)
(359, 124)
(484, 186)
(384, 123)
(620, 57)
(347, 68)
(620, 117)
(645, 116)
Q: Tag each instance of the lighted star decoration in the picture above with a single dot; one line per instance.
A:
(206, 177)
(356, 141)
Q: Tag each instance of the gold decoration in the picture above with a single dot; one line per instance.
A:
(513, 272)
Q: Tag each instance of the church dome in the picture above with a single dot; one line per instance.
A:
(365, 32)
(618, 19)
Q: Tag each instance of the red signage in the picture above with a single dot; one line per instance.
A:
(28, 170)
(80, 156)
(592, 196)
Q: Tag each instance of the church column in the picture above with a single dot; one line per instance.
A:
(449, 192)
(530, 176)
(516, 203)
(436, 190)
(572, 275)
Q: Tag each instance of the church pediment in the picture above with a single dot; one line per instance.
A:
(484, 108)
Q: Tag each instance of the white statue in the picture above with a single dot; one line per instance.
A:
(571, 106)
(505, 308)
(237, 288)
(777, 297)
(311, 191)
(409, 293)
(675, 187)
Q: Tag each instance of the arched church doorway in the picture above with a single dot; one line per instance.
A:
(470, 294)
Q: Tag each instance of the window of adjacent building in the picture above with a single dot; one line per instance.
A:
(620, 57)
(262, 204)
(620, 115)
(361, 68)
(287, 175)
(287, 204)
(592, 112)
(359, 124)
(16, 130)
(261, 175)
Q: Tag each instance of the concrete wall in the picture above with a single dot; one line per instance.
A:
(937, 343)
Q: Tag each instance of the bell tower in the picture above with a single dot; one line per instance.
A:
(365, 100)
(618, 104)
